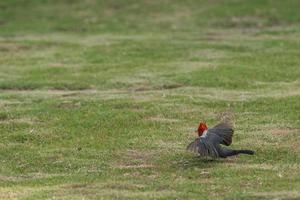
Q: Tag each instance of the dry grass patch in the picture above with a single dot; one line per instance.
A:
(208, 54)
(281, 131)
(20, 121)
(123, 186)
(110, 189)
(12, 193)
(276, 129)
(190, 66)
(262, 166)
(69, 105)
(89, 40)
(150, 93)
(295, 145)
(30, 176)
(147, 87)
(176, 19)
(278, 195)
(226, 117)
(134, 159)
(135, 166)
(10, 47)
(6, 103)
(246, 22)
(129, 80)
(162, 119)
(286, 90)
(171, 145)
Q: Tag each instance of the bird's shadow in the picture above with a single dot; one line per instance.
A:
(200, 162)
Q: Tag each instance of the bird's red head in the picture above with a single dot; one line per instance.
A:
(202, 127)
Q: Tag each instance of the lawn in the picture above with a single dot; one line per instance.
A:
(100, 98)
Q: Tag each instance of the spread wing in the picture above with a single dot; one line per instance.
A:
(203, 147)
(221, 134)
(209, 145)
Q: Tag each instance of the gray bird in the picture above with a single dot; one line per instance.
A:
(210, 139)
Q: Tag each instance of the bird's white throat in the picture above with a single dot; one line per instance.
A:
(204, 134)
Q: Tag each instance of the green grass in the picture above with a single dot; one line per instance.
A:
(99, 98)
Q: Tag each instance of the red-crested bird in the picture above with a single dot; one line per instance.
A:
(209, 141)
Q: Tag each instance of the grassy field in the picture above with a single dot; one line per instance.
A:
(99, 98)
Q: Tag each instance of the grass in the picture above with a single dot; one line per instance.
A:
(99, 98)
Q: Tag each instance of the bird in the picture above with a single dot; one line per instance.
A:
(209, 141)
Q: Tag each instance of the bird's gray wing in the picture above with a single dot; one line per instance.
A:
(203, 147)
(221, 134)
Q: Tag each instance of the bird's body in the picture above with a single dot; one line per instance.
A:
(210, 140)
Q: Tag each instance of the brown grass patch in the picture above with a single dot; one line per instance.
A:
(296, 146)
(70, 94)
(134, 166)
(20, 121)
(169, 144)
(162, 119)
(7, 103)
(30, 176)
(13, 47)
(169, 86)
(246, 22)
(262, 166)
(69, 105)
(76, 186)
(21, 192)
(152, 92)
(142, 88)
(208, 53)
(139, 155)
(188, 66)
(2, 22)
(278, 195)
(123, 186)
(134, 159)
(281, 131)
(226, 117)
(162, 87)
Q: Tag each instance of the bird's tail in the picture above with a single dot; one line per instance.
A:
(249, 152)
